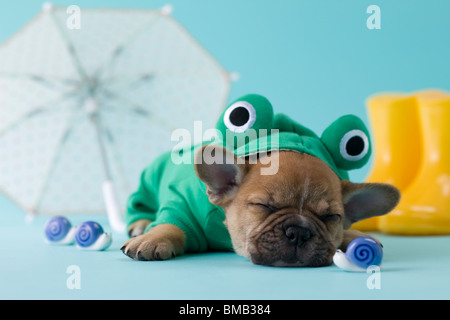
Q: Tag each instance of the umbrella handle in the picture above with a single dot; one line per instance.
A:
(112, 208)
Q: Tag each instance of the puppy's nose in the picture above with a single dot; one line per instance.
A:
(297, 235)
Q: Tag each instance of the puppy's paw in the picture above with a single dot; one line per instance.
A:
(160, 243)
(138, 227)
(145, 248)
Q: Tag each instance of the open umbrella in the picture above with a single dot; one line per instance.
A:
(82, 108)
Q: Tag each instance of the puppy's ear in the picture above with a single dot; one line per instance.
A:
(366, 200)
(220, 170)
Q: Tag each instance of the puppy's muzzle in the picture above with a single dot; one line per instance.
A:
(292, 242)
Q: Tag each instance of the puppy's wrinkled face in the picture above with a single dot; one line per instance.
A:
(292, 218)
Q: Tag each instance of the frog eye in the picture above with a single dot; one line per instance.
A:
(354, 145)
(347, 140)
(240, 116)
(244, 119)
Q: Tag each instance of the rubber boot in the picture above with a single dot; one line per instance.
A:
(396, 143)
(425, 205)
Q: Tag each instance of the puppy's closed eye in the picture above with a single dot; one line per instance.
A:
(330, 217)
(264, 206)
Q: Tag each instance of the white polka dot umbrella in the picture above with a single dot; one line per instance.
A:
(82, 108)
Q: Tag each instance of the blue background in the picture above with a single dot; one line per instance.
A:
(315, 60)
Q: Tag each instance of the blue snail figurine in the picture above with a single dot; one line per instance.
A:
(59, 230)
(361, 253)
(90, 236)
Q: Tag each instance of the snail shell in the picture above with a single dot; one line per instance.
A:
(361, 253)
(364, 252)
(90, 235)
(59, 230)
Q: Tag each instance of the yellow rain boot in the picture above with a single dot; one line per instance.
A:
(425, 206)
(396, 144)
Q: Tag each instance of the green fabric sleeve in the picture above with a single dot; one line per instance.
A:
(177, 213)
(143, 203)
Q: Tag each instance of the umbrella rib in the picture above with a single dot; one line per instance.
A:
(38, 110)
(52, 166)
(45, 81)
(121, 47)
(135, 81)
(138, 109)
(70, 48)
(134, 107)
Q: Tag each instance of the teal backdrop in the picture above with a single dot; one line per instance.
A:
(315, 60)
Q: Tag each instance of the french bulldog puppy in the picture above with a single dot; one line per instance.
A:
(297, 217)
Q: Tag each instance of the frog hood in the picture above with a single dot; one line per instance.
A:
(248, 126)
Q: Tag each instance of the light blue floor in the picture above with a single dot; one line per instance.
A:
(413, 268)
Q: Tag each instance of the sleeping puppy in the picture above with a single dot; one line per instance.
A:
(297, 217)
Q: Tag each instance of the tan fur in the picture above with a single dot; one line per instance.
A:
(304, 186)
(304, 202)
(138, 227)
(161, 242)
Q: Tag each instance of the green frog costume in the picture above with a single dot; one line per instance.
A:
(172, 193)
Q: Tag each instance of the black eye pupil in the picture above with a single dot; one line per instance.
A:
(239, 116)
(355, 145)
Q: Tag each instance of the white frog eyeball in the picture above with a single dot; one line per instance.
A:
(354, 145)
(240, 116)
